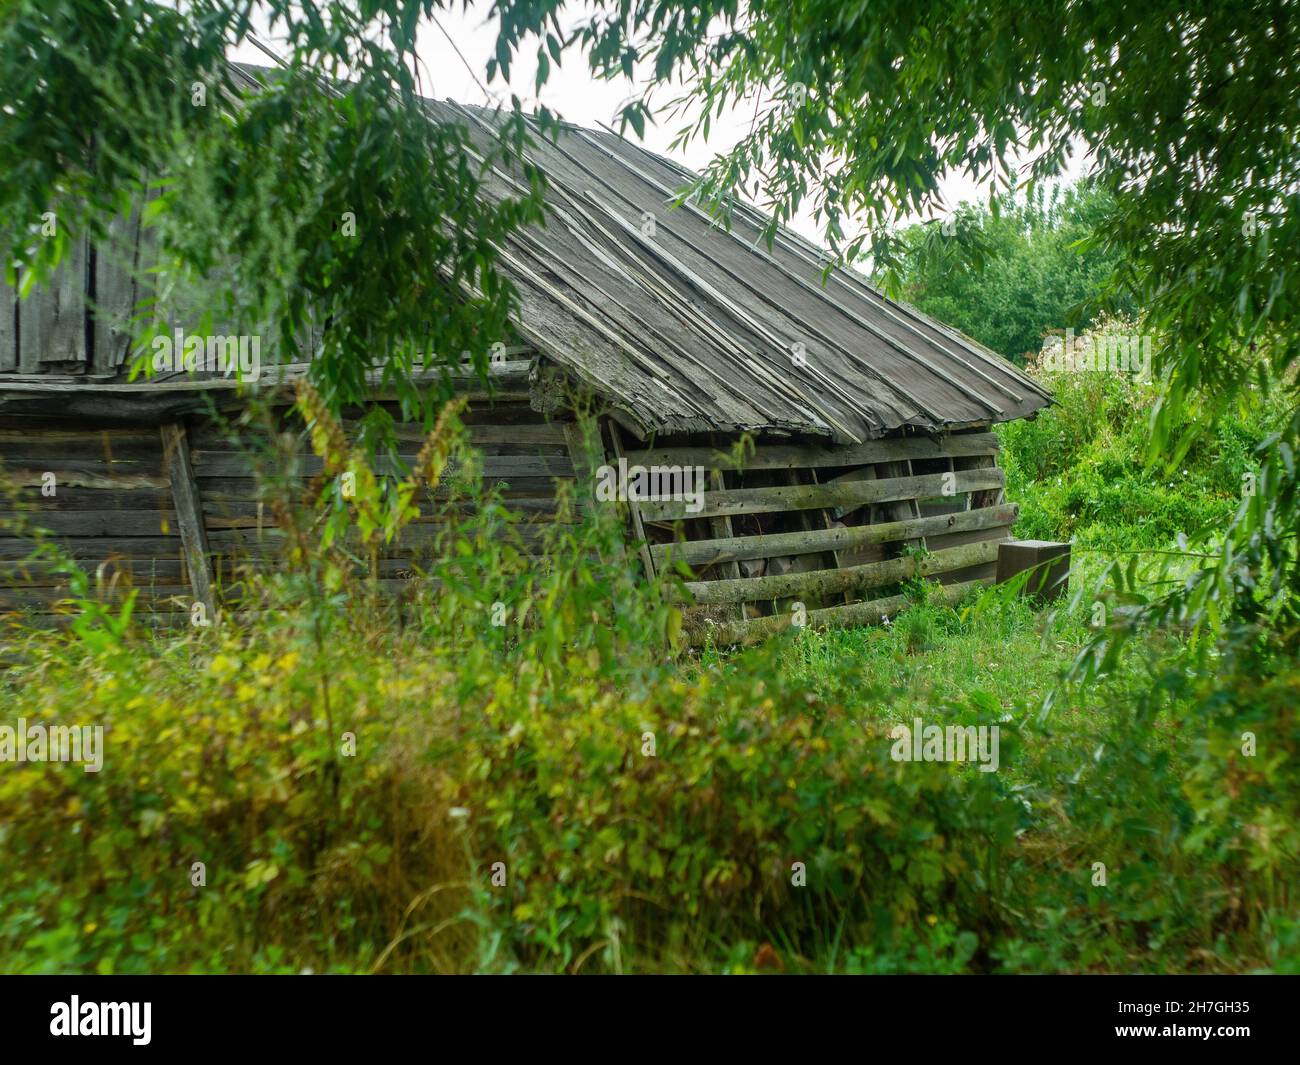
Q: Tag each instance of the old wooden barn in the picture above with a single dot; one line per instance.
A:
(871, 420)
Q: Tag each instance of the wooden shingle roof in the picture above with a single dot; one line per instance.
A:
(678, 323)
(688, 326)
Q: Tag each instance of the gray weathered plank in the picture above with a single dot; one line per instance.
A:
(112, 523)
(189, 512)
(854, 579)
(634, 509)
(835, 617)
(808, 496)
(52, 320)
(701, 553)
(791, 455)
(144, 548)
(8, 328)
(115, 293)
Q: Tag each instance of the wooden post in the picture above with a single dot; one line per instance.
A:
(721, 528)
(1048, 561)
(903, 509)
(634, 508)
(189, 514)
(823, 519)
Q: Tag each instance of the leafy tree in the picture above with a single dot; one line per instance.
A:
(328, 193)
(1191, 113)
(1039, 269)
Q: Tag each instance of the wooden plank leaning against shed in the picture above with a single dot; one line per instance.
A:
(721, 529)
(869, 613)
(583, 448)
(710, 552)
(189, 513)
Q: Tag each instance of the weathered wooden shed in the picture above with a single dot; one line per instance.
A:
(871, 420)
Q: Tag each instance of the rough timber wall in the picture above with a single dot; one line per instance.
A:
(80, 323)
(832, 530)
(105, 495)
(829, 533)
(116, 489)
(523, 456)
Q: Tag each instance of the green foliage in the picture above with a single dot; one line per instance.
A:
(476, 743)
(648, 812)
(522, 743)
(1040, 265)
(1079, 470)
(327, 195)
(860, 109)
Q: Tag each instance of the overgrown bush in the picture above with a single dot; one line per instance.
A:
(380, 787)
(641, 818)
(1079, 469)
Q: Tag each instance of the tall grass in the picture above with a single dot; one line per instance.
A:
(515, 769)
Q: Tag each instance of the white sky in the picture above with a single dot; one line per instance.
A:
(576, 95)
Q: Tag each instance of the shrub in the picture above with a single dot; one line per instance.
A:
(1079, 469)
(380, 787)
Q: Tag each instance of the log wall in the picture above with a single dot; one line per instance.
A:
(120, 502)
(180, 511)
(104, 494)
(831, 529)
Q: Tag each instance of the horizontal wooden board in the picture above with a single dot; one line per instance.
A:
(489, 434)
(55, 618)
(846, 494)
(406, 449)
(850, 615)
(19, 598)
(250, 490)
(92, 447)
(98, 547)
(208, 463)
(957, 538)
(115, 523)
(222, 539)
(139, 571)
(71, 498)
(792, 456)
(813, 541)
(812, 584)
(57, 433)
(117, 476)
(232, 569)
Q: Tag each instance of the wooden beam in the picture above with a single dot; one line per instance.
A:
(138, 548)
(8, 329)
(854, 579)
(834, 617)
(107, 523)
(634, 508)
(234, 464)
(901, 509)
(821, 519)
(788, 456)
(115, 477)
(189, 513)
(848, 494)
(702, 553)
